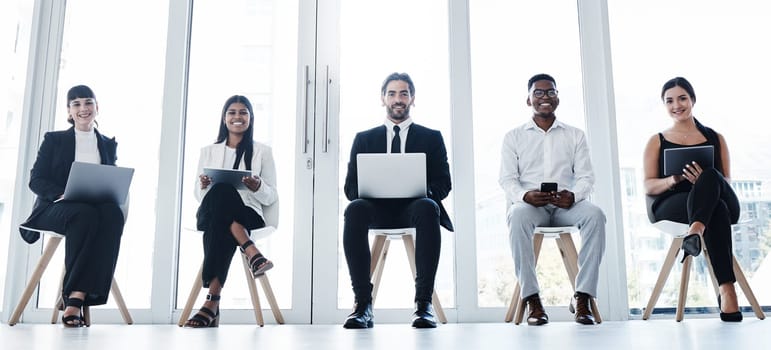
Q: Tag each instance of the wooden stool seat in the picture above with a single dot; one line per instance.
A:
(198, 285)
(48, 253)
(380, 246)
(564, 240)
(678, 230)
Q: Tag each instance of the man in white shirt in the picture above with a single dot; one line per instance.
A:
(547, 150)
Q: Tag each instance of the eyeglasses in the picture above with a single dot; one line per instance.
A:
(540, 93)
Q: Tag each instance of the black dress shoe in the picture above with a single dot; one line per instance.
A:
(423, 317)
(582, 309)
(691, 245)
(728, 316)
(536, 315)
(361, 317)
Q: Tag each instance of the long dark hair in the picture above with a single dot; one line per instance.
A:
(245, 148)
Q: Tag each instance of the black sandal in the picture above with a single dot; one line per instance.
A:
(73, 321)
(257, 263)
(205, 317)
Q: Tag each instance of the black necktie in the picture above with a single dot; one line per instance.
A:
(396, 142)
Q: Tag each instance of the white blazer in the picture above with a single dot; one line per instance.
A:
(213, 156)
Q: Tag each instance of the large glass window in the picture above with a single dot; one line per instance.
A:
(719, 50)
(254, 55)
(15, 21)
(377, 39)
(104, 48)
(523, 45)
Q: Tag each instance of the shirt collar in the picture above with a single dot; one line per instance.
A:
(532, 125)
(402, 126)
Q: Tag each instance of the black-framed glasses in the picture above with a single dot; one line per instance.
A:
(540, 93)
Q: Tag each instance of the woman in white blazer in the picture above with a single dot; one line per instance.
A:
(226, 214)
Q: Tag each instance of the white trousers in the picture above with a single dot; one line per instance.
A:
(523, 218)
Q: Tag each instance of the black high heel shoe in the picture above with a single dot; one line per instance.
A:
(205, 318)
(728, 316)
(691, 246)
(73, 321)
(257, 263)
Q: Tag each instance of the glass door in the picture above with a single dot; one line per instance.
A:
(360, 43)
(255, 56)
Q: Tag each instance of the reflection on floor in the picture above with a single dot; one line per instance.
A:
(699, 334)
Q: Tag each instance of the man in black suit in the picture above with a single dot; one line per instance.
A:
(398, 135)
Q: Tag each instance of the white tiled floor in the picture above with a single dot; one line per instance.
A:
(649, 335)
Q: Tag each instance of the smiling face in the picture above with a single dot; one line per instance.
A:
(397, 100)
(82, 112)
(543, 98)
(678, 103)
(237, 118)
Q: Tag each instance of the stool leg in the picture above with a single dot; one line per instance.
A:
(271, 298)
(711, 273)
(49, 251)
(517, 305)
(684, 278)
(513, 304)
(569, 257)
(194, 291)
(666, 268)
(742, 280)
(253, 292)
(121, 303)
(59, 303)
(377, 263)
(409, 246)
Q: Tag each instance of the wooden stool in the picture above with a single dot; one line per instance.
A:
(677, 230)
(562, 236)
(380, 246)
(48, 253)
(198, 285)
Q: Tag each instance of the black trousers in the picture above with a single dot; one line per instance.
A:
(713, 202)
(363, 214)
(222, 206)
(93, 233)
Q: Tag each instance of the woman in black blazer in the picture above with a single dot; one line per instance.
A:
(93, 230)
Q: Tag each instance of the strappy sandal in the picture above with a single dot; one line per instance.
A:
(205, 317)
(73, 321)
(257, 263)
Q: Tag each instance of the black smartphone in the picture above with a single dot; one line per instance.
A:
(548, 187)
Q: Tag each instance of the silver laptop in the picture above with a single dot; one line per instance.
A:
(98, 183)
(391, 175)
(675, 159)
(228, 176)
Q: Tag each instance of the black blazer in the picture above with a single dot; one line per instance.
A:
(52, 167)
(419, 140)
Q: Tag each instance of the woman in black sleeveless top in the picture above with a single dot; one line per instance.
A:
(700, 197)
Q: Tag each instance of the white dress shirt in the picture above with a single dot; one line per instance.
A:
(86, 149)
(531, 156)
(404, 128)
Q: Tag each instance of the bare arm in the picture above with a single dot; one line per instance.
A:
(653, 184)
(725, 157)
